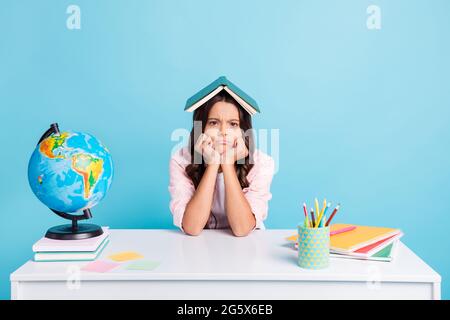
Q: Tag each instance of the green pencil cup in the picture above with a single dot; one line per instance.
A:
(313, 247)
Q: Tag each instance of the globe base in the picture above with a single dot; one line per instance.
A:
(67, 232)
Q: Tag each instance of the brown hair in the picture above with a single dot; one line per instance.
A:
(195, 171)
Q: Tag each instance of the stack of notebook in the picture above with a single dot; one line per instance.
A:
(70, 250)
(362, 242)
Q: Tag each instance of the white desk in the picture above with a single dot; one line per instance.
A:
(217, 265)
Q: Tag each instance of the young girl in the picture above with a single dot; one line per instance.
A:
(220, 181)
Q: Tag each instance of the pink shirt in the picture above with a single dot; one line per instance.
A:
(258, 194)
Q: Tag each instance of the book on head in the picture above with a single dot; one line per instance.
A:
(222, 83)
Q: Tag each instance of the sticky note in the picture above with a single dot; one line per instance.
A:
(125, 256)
(292, 238)
(100, 266)
(143, 265)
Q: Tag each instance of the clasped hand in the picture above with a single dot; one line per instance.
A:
(230, 154)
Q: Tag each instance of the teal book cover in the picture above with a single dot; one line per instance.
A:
(221, 81)
(385, 252)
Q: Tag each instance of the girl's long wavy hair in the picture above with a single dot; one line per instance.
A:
(194, 170)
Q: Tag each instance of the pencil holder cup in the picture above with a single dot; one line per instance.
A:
(313, 247)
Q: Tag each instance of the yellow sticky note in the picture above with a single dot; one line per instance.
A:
(125, 256)
(292, 238)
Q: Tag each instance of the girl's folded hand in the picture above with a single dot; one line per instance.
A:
(235, 152)
(205, 147)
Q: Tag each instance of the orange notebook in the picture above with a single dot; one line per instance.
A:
(358, 238)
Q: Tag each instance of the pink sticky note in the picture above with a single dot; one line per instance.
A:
(100, 266)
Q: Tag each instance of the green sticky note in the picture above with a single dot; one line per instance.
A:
(143, 265)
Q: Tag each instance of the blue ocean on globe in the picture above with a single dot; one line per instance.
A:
(70, 171)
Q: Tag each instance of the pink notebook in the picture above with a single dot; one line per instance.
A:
(370, 250)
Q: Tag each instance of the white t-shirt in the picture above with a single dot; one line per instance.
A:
(218, 218)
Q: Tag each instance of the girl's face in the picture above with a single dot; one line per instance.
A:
(223, 125)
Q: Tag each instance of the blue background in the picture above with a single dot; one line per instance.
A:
(363, 114)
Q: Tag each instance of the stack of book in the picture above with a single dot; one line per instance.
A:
(363, 242)
(70, 250)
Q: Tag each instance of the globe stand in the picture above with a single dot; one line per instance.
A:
(72, 231)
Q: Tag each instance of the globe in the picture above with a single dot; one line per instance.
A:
(70, 171)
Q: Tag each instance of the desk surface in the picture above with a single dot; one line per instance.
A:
(218, 255)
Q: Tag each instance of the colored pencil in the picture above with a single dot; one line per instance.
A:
(322, 222)
(333, 214)
(328, 205)
(305, 210)
(322, 212)
(317, 210)
(307, 223)
(346, 229)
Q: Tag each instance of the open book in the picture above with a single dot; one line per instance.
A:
(222, 83)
